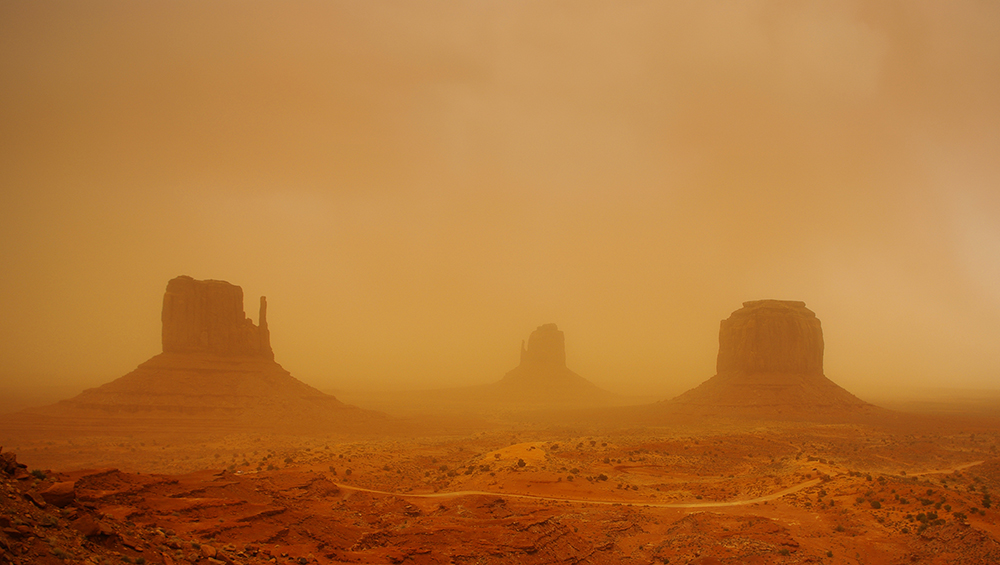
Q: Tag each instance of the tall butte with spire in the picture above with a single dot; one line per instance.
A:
(217, 364)
(207, 317)
(770, 363)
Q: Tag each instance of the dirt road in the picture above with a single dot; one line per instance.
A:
(714, 504)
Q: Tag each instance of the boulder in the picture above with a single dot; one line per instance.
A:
(60, 494)
(208, 551)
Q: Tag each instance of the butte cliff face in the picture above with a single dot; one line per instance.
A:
(542, 377)
(207, 317)
(770, 363)
(771, 336)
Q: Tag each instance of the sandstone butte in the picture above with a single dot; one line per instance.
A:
(216, 363)
(770, 364)
(542, 377)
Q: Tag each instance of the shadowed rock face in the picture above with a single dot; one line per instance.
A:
(207, 317)
(771, 336)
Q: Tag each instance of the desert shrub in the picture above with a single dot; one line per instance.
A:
(40, 474)
(49, 521)
(521, 463)
(347, 472)
(602, 477)
(829, 554)
(876, 504)
(986, 501)
(783, 551)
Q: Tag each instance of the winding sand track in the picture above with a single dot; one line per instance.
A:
(459, 493)
(717, 504)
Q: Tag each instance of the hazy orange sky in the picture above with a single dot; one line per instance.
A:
(416, 185)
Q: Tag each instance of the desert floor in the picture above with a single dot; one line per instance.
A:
(736, 492)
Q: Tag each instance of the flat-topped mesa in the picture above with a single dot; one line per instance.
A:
(207, 317)
(771, 336)
(546, 348)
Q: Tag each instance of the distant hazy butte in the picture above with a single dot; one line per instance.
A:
(542, 377)
(770, 363)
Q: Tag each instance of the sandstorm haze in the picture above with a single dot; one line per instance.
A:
(416, 186)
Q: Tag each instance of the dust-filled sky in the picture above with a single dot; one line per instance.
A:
(416, 185)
